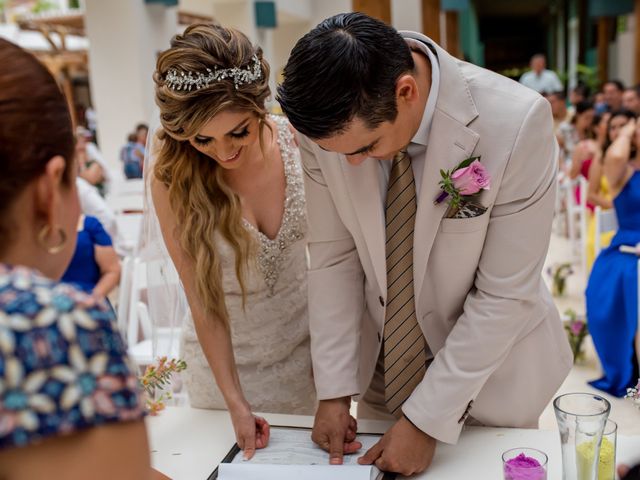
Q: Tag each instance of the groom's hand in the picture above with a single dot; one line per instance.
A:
(334, 429)
(404, 449)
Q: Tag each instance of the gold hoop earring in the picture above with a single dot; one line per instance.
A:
(54, 250)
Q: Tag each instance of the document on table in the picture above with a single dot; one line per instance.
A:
(292, 455)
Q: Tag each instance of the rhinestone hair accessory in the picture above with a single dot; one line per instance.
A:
(187, 81)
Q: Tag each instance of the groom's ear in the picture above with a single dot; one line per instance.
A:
(406, 89)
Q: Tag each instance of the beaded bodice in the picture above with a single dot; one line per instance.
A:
(274, 252)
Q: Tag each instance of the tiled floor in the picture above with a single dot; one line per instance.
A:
(622, 411)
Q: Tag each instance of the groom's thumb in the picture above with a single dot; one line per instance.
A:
(336, 444)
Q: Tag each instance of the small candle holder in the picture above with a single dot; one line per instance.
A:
(524, 464)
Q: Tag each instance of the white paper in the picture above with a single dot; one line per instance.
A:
(249, 471)
(292, 455)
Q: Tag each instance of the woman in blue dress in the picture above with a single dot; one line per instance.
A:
(612, 291)
(94, 267)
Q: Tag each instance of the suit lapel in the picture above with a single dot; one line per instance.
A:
(363, 185)
(449, 144)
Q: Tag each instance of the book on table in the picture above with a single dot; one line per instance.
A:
(292, 455)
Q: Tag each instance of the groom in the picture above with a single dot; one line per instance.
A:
(430, 315)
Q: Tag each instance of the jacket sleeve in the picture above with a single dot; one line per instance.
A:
(335, 287)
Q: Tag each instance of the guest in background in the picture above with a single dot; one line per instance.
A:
(132, 158)
(601, 128)
(578, 129)
(558, 102)
(93, 205)
(69, 401)
(94, 267)
(142, 130)
(631, 99)
(91, 118)
(613, 90)
(579, 93)
(91, 163)
(539, 78)
(612, 290)
(600, 103)
(599, 193)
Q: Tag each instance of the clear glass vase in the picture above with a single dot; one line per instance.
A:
(581, 421)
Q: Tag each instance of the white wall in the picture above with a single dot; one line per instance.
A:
(125, 37)
(406, 15)
(623, 56)
(321, 9)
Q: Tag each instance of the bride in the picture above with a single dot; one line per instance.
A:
(227, 187)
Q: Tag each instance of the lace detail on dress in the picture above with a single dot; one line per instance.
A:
(272, 254)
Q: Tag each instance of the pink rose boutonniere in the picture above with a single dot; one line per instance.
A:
(463, 182)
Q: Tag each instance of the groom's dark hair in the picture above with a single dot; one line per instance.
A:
(346, 67)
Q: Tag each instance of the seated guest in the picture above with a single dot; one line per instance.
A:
(69, 402)
(132, 157)
(91, 163)
(94, 267)
(612, 290)
(631, 99)
(579, 93)
(613, 90)
(598, 194)
(94, 205)
(558, 101)
(573, 132)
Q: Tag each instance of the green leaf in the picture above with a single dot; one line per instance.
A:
(467, 162)
(443, 174)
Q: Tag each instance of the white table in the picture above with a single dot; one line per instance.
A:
(187, 444)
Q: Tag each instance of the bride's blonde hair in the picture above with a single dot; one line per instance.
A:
(200, 199)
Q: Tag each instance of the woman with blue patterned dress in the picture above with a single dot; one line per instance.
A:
(612, 291)
(69, 402)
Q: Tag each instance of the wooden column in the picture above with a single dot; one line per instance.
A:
(380, 9)
(603, 48)
(431, 19)
(452, 33)
(637, 44)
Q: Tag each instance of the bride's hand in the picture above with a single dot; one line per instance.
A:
(252, 432)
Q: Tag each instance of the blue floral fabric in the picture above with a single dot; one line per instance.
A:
(63, 364)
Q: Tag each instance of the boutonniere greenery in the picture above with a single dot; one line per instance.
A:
(461, 184)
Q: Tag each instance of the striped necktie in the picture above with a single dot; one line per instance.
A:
(404, 345)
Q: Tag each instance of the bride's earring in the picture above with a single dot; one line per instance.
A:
(42, 240)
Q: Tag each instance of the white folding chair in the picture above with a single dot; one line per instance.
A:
(129, 228)
(606, 221)
(149, 340)
(577, 217)
(124, 293)
(130, 203)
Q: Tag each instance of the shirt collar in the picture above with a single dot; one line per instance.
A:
(422, 135)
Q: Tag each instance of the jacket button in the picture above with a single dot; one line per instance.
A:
(381, 301)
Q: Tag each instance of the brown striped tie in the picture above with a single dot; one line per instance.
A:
(404, 355)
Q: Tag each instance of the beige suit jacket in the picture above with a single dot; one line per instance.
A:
(480, 300)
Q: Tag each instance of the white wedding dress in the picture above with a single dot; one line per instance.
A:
(270, 336)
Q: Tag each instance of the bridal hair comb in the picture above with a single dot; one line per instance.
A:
(176, 80)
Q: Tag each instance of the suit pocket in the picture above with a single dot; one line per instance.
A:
(464, 225)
